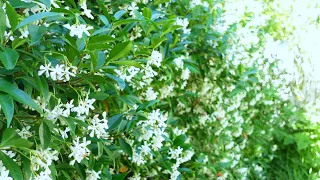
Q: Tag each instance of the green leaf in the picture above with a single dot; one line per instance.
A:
(12, 16)
(36, 33)
(36, 17)
(147, 104)
(70, 123)
(107, 173)
(10, 138)
(9, 57)
(125, 21)
(80, 170)
(157, 2)
(147, 13)
(171, 29)
(46, 2)
(99, 95)
(7, 135)
(13, 167)
(44, 135)
(100, 149)
(125, 147)
(17, 42)
(156, 42)
(128, 63)
(18, 94)
(26, 167)
(119, 14)
(120, 50)
(7, 107)
(119, 176)
(43, 85)
(114, 121)
(101, 39)
(302, 140)
(20, 4)
(2, 24)
(179, 141)
(120, 81)
(104, 9)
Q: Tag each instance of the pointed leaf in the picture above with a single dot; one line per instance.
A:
(7, 107)
(45, 135)
(10, 138)
(18, 94)
(128, 63)
(14, 169)
(36, 17)
(125, 147)
(120, 81)
(12, 16)
(147, 13)
(120, 50)
(2, 24)
(36, 33)
(9, 57)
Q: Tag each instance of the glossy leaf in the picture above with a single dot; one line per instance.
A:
(7, 107)
(36, 33)
(12, 16)
(13, 167)
(2, 24)
(18, 94)
(8, 57)
(10, 138)
(36, 17)
(44, 135)
(125, 147)
(120, 81)
(120, 50)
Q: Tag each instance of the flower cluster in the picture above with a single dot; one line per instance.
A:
(58, 72)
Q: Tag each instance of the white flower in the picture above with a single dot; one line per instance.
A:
(155, 59)
(57, 72)
(157, 142)
(86, 11)
(4, 173)
(135, 177)
(138, 159)
(194, 3)
(24, 33)
(150, 94)
(43, 176)
(24, 132)
(8, 35)
(79, 150)
(145, 149)
(92, 175)
(64, 134)
(43, 159)
(185, 74)
(175, 153)
(84, 106)
(184, 23)
(98, 126)
(179, 62)
(78, 30)
(45, 69)
(68, 73)
(68, 106)
(132, 8)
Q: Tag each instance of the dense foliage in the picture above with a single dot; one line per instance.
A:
(151, 89)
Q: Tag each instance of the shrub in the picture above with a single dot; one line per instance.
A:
(142, 89)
